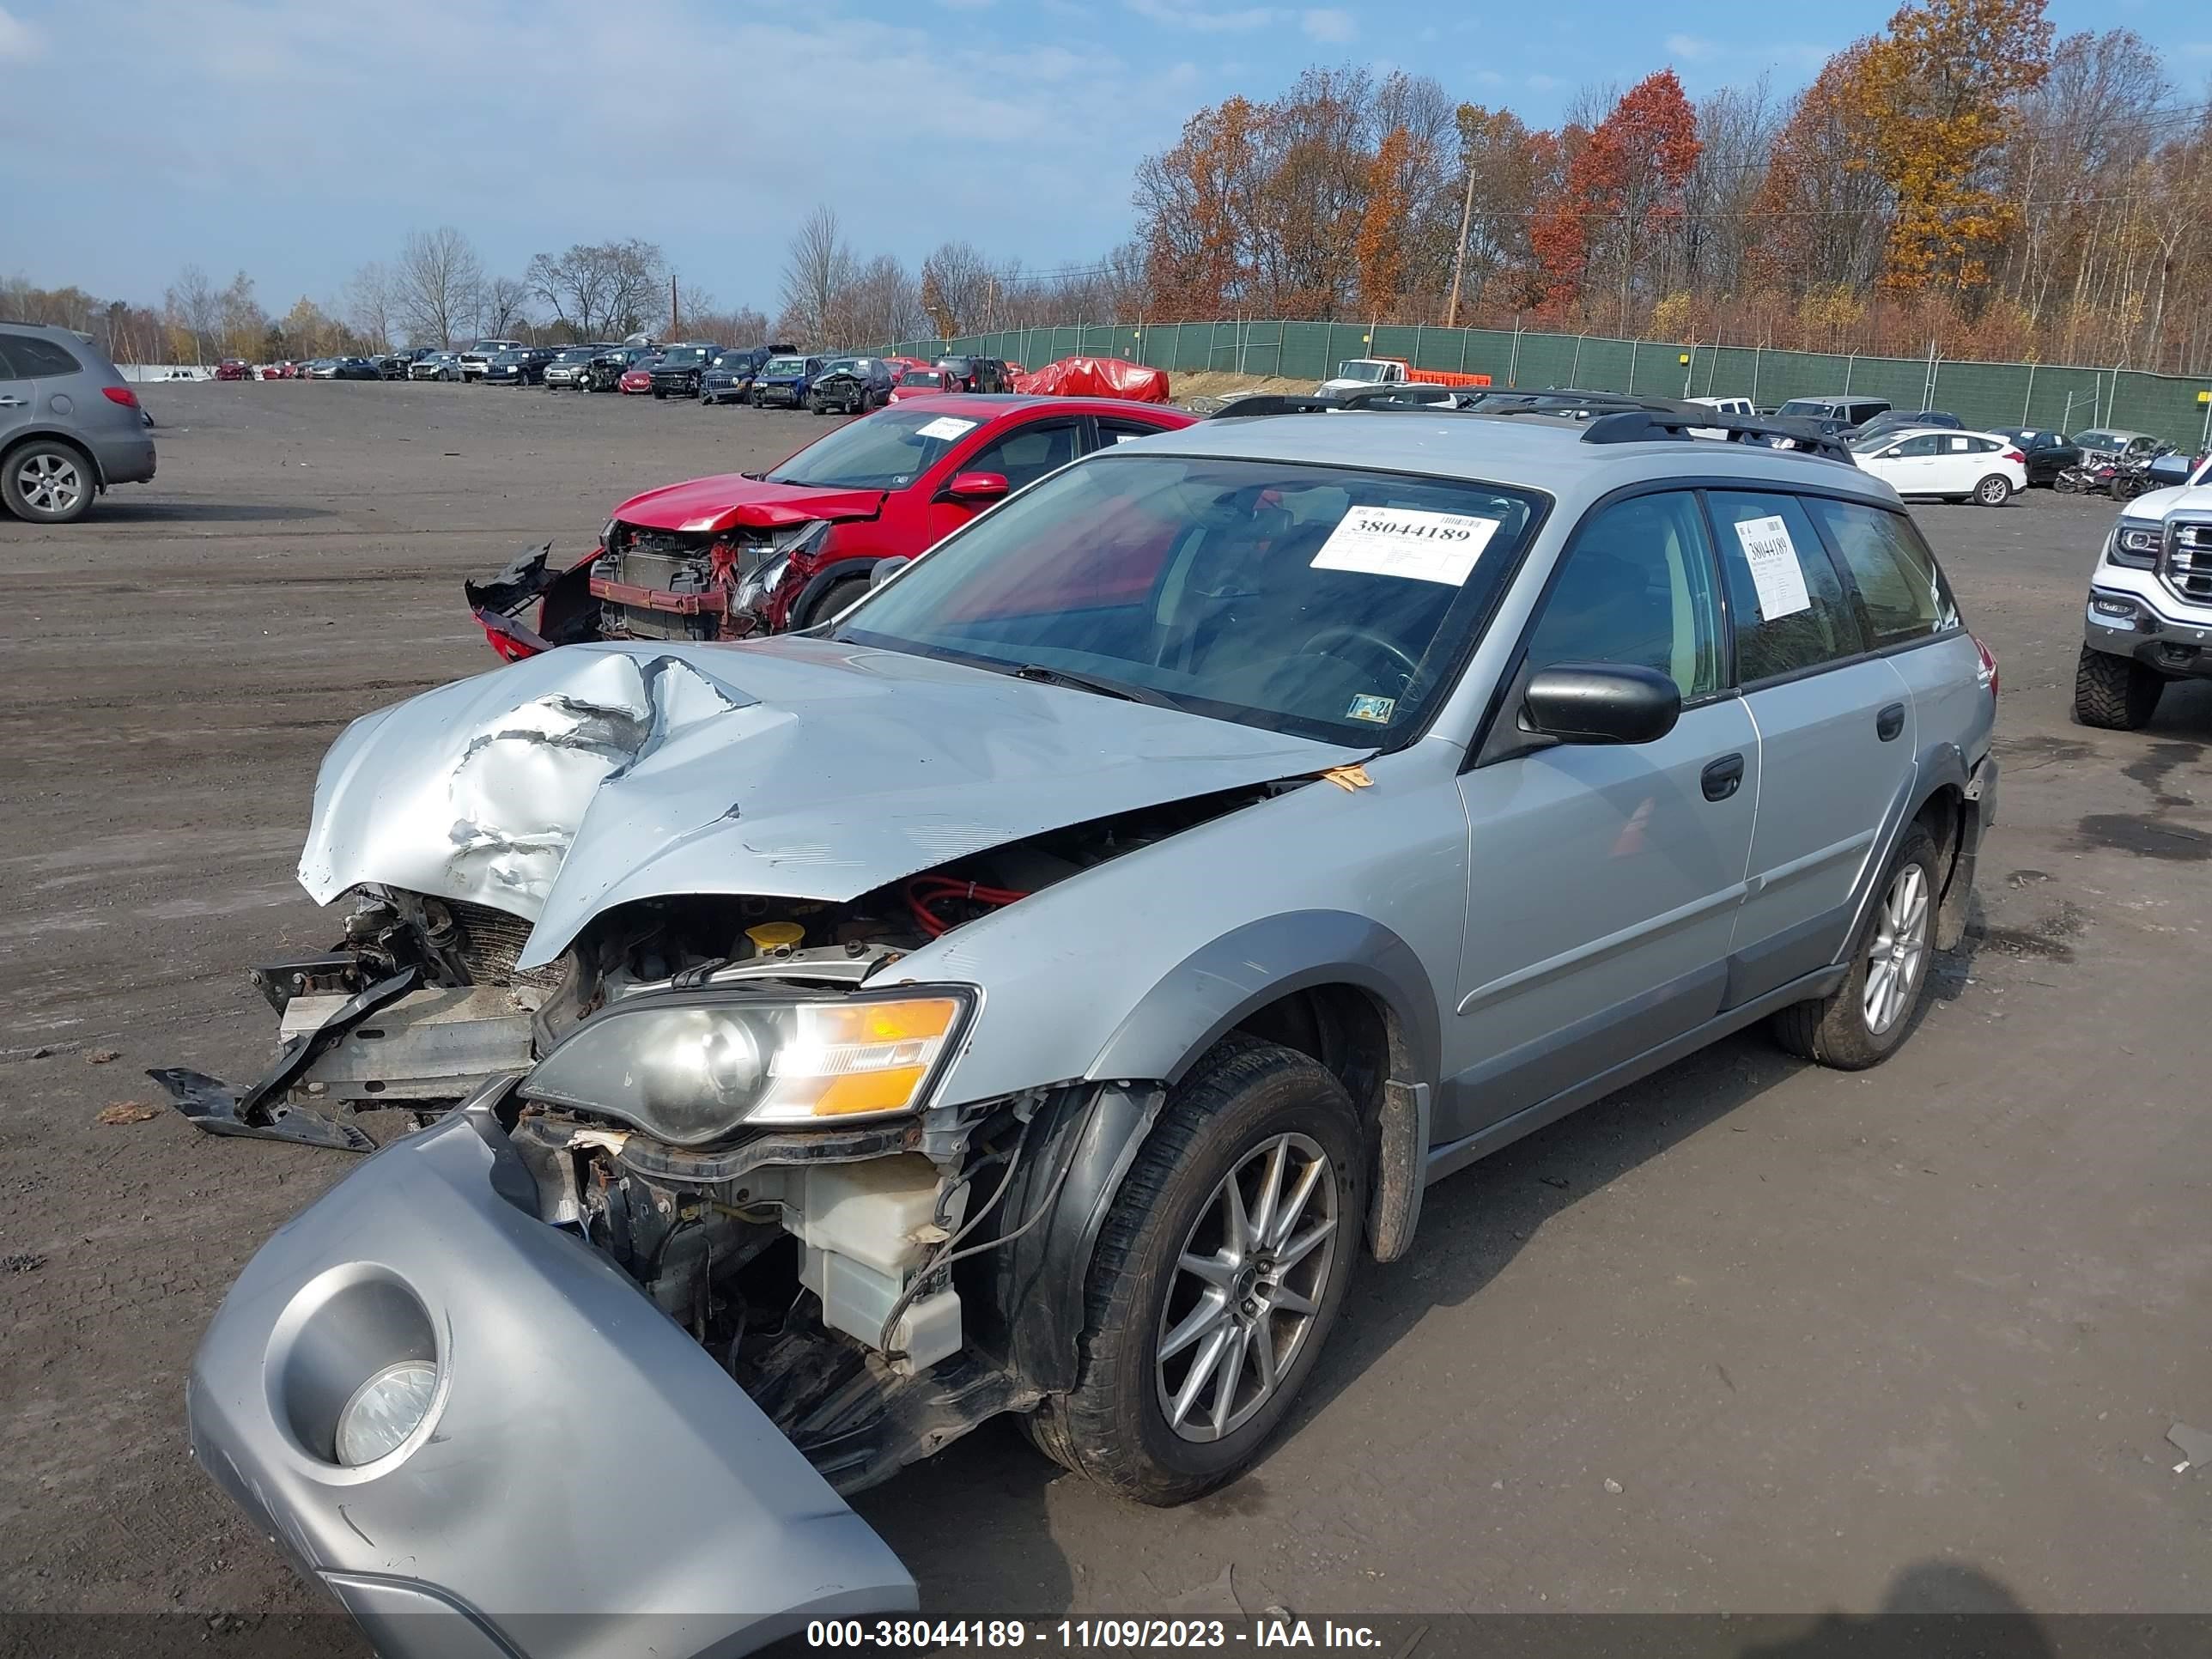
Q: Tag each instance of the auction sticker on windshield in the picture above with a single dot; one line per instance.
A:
(947, 426)
(1403, 541)
(1775, 571)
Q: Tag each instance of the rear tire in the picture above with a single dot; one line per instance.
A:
(47, 481)
(1994, 490)
(1252, 1118)
(2114, 693)
(1864, 1020)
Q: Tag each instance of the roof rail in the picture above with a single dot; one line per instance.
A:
(1661, 422)
(1273, 403)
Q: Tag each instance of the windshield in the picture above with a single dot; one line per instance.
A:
(1804, 406)
(2095, 438)
(923, 376)
(784, 366)
(733, 360)
(1359, 368)
(1321, 601)
(684, 356)
(887, 451)
(576, 354)
(842, 365)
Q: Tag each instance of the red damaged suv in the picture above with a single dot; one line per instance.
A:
(748, 553)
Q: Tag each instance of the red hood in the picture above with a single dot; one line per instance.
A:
(717, 503)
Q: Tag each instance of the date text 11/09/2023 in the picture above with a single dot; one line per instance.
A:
(1084, 1635)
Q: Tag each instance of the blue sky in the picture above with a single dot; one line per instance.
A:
(298, 138)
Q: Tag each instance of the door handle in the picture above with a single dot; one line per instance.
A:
(1721, 776)
(1891, 722)
(15, 402)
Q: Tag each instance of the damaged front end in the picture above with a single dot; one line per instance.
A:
(642, 583)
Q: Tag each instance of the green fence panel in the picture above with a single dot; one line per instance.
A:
(2067, 396)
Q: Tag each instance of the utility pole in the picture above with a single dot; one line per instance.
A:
(672, 327)
(1459, 255)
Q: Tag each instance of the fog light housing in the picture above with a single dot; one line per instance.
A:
(2118, 613)
(385, 1410)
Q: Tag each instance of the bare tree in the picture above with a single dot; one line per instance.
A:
(817, 272)
(503, 307)
(600, 290)
(195, 307)
(244, 322)
(884, 303)
(956, 283)
(437, 284)
(369, 305)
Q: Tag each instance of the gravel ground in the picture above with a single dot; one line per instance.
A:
(1749, 1336)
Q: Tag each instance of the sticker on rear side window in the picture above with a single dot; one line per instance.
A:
(1401, 541)
(947, 426)
(1775, 571)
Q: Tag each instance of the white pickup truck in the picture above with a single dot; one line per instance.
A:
(2149, 618)
(1366, 374)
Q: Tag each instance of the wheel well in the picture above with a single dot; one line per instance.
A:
(1939, 814)
(1943, 815)
(1344, 1027)
(91, 462)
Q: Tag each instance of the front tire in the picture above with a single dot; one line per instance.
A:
(837, 599)
(1865, 1020)
(2114, 693)
(47, 481)
(1217, 1275)
(1994, 490)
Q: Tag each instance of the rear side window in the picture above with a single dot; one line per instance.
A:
(32, 356)
(1904, 596)
(1788, 603)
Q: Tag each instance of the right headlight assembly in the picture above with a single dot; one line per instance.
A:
(2137, 543)
(696, 1067)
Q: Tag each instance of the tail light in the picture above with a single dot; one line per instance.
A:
(121, 394)
(1987, 673)
(2014, 455)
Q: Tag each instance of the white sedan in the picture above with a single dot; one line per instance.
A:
(1981, 466)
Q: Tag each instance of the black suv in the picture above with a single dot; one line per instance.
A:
(681, 367)
(976, 373)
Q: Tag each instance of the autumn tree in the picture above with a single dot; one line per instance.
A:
(1934, 101)
(1822, 215)
(1382, 246)
(1625, 185)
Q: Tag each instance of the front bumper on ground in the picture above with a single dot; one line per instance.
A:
(2135, 619)
(587, 1482)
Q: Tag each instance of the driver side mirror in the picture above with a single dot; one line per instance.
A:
(973, 487)
(1601, 703)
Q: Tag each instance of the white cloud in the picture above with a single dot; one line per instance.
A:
(1180, 14)
(1328, 23)
(20, 42)
(1545, 82)
(1689, 46)
(1488, 78)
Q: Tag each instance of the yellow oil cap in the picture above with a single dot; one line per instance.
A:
(774, 935)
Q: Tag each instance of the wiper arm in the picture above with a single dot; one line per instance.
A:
(1144, 694)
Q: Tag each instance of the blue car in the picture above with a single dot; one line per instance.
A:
(784, 382)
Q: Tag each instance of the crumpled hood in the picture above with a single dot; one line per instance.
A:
(595, 775)
(716, 503)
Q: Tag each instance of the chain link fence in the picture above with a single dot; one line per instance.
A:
(2175, 407)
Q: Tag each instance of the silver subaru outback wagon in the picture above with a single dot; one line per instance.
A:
(1036, 991)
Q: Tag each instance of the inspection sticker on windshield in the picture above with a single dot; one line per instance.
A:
(1367, 707)
(1400, 541)
(947, 426)
(1775, 571)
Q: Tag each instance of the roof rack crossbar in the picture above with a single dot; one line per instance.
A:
(1657, 421)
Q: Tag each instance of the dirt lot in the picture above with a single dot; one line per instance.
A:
(1749, 1336)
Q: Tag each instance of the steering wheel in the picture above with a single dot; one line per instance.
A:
(1319, 646)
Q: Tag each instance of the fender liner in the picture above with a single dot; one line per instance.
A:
(1092, 1133)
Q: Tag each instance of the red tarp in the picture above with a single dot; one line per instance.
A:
(1097, 377)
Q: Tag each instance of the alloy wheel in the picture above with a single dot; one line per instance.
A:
(50, 483)
(1898, 950)
(1247, 1286)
